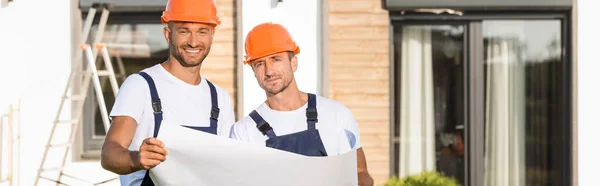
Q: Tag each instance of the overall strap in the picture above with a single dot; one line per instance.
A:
(311, 111)
(156, 105)
(214, 111)
(262, 125)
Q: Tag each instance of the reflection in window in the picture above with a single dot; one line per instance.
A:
(524, 121)
(135, 40)
(135, 47)
(429, 97)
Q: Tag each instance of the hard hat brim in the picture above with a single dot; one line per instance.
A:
(251, 58)
(166, 18)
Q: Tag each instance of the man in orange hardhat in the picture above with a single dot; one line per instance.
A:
(186, 97)
(292, 120)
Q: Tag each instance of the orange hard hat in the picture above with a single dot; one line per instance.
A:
(199, 11)
(266, 39)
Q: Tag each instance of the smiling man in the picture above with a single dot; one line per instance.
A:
(292, 120)
(173, 90)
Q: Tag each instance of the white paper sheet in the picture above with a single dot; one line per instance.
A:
(198, 158)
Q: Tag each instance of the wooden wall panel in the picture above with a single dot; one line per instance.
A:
(358, 56)
(219, 67)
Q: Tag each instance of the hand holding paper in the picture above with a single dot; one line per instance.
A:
(198, 158)
(152, 152)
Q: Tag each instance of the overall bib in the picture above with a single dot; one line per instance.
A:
(158, 117)
(306, 142)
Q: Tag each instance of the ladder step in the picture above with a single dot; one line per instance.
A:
(79, 72)
(53, 180)
(73, 122)
(100, 73)
(59, 145)
(103, 73)
(51, 169)
(49, 179)
(74, 97)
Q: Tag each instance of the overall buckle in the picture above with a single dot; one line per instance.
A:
(312, 115)
(214, 113)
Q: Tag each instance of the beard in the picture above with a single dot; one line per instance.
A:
(177, 52)
(275, 88)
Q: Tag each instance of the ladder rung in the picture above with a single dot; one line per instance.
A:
(59, 145)
(100, 73)
(51, 169)
(73, 122)
(103, 73)
(80, 72)
(53, 180)
(49, 179)
(75, 97)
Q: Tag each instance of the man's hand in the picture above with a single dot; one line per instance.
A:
(364, 179)
(152, 152)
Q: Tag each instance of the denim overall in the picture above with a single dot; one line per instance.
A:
(158, 117)
(306, 142)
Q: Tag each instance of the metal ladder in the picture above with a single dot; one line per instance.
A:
(78, 97)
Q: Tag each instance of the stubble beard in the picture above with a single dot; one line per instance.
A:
(179, 56)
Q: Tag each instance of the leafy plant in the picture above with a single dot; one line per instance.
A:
(428, 178)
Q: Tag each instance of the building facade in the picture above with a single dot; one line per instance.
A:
(481, 91)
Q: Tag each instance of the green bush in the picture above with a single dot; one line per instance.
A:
(423, 179)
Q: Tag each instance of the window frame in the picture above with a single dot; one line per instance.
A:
(87, 146)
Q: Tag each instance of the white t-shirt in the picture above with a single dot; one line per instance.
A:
(182, 103)
(336, 124)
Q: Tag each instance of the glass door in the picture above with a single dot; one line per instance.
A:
(429, 131)
(483, 99)
(524, 138)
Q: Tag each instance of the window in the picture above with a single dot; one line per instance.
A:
(524, 139)
(430, 130)
(482, 99)
(133, 45)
